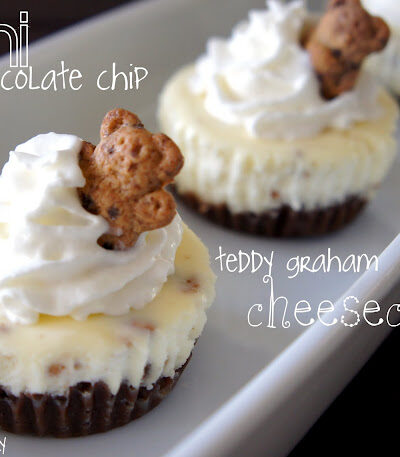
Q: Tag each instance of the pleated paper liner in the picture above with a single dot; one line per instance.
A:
(283, 221)
(86, 409)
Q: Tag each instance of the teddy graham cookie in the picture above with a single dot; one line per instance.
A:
(108, 289)
(125, 178)
(343, 38)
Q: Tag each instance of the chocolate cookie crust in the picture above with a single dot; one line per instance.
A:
(281, 222)
(86, 409)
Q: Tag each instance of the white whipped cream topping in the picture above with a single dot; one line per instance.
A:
(387, 9)
(261, 78)
(50, 260)
(385, 65)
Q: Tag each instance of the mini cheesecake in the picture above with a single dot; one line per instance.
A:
(276, 187)
(283, 133)
(66, 377)
(103, 288)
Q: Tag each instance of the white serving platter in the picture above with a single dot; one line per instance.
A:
(246, 389)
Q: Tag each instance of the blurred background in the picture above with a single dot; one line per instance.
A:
(364, 412)
(47, 16)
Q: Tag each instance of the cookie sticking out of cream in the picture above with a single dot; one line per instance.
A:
(263, 79)
(125, 178)
(52, 263)
(345, 35)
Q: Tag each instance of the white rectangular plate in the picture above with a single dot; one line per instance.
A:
(210, 411)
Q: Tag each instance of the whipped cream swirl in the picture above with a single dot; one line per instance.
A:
(388, 9)
(50, 260)
(261, 78)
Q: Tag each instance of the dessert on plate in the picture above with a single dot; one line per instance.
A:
(386, 64)
(103, 288)
(283, 131)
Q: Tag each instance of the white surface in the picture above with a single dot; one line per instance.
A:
(290, 393)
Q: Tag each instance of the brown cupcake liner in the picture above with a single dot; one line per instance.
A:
(86, 409)
(283, 221)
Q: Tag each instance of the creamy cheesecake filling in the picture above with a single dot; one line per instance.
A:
(223, 164)
(139, 347)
